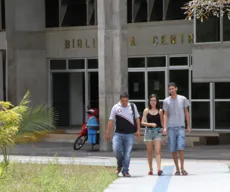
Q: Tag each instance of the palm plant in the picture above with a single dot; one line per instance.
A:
(21, 124)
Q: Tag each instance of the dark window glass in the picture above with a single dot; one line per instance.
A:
(157, 12)
(226, 28)
(222, 110)
(156, 62)
(176, 61)
(129, 11)
(175, 11)
(3, 14)
(92, 64)
(52, 13)
(93, 90)
(77, 64)
(181, 78)
(137, 85)
(136, 62)
(200, 115)
(200, 91)
(140, 108)
(91, 12)
(141, 15)
(57, 64)
(208, 30)
(156, 83)
(222, 90)
(76, 13)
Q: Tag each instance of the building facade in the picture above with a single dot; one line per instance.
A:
(72, 54)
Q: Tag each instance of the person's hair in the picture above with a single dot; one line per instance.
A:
(158, 102)
(172, 84)
(124, 95)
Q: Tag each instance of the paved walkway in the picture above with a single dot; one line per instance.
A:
(204, 175)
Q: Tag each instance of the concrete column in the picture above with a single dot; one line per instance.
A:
(112, 55)
(1, 78)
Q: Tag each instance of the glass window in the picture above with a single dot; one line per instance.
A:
(92, 63)
(141, 8)
(226, 28)
(208, 30)
(200, 115)
(140, 107)
(137, 85)
(93, 90)
(222, 110)
(57, 64)
(175, 11)
(77, 64)
(222, 90)
(200, 91)
(76, 13)
(178, 61)
(156, 62)
(157, 11)
(52, 13)
(181, 78)
(136, 62)
(129, 11)
(156, 84)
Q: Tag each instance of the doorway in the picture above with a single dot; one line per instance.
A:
(73, 87)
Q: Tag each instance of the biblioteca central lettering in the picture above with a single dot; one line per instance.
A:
(156, 41)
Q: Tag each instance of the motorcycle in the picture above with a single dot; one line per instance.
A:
(83, 135)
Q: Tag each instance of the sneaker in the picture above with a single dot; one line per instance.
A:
(160, 172)
(118, 170)
(126, 174)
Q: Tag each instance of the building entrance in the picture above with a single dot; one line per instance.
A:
(73, 87)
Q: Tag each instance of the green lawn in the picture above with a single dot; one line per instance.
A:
(56, 178)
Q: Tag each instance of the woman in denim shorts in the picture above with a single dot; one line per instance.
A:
(152, 119)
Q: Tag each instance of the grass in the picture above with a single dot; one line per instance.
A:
(54, 177)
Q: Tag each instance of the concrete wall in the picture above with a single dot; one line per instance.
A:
(26, 55)
(1, 78)
(79, 42)
(211, 62)
(32, 75)
(76, 98)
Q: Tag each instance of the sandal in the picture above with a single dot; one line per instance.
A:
(150, 173)
(177, 173)
(184, 172)
(160, 172)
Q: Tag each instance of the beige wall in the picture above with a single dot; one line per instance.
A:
(78, 42)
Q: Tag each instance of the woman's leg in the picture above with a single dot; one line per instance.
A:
(149, 145)
(157, 144)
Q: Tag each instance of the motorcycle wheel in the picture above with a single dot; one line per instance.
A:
(80, 141)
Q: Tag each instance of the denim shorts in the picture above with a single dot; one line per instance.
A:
(176, 139)
(152, 134)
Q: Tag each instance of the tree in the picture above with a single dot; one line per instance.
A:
(203, 9)
(23, 124)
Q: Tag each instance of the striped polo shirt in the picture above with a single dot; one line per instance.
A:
(123, 118)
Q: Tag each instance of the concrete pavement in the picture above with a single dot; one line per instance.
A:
(217, 152)
(204, 176)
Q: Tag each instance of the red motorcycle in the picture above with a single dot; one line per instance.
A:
(83, 135)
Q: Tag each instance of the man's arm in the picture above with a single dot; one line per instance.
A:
(110, 123)
(109, 128)
(137, 117)
(165, 122)
(187, 117)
